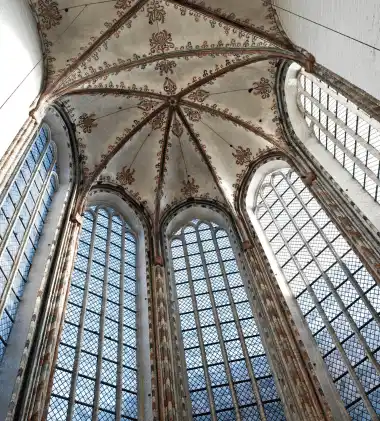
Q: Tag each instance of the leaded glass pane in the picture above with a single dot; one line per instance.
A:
(224, 355)
(336, 295)
(96, 367)
(23, 211)
(344, 130)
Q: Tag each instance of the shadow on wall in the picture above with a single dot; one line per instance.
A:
(21, 70)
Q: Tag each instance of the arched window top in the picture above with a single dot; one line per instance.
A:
(348, 133)
(118, 219)
(197, 225)
(102, 325)
(225, 370)
(327, 288)
(24, 204)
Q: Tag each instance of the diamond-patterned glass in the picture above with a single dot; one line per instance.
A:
(327, 279)
(108, 326)
(336, 122)
(219, 334)
(22, 215)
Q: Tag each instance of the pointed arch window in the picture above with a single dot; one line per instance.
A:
(96, 370)
(228, 374)
(25, 202)
(336, 296)
(346, 131)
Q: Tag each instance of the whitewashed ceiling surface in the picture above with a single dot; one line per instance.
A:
(170, 99)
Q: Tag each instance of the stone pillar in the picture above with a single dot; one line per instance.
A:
(164, 346)
(298, 386)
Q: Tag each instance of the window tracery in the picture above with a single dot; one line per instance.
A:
(337, 297)
(96, 374)
(346, 131)
(228, 374)
(25, 204)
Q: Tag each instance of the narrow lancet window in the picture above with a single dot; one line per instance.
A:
(228, 374)
(25, 203)
(346, 131)
(96, 371)
(337, 297)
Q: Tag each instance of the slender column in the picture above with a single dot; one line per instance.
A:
(165, 370)
(296, 381)
(297, 384)
(322, 312)
(54, 318)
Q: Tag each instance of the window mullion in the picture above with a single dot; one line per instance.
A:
(342, 264)
(350, 105)
(101, 326)
(199, 331)
(354, 158)
(21, 200)
(255, 387)
(343, 126)
(325, 319)
(121, 330)
(24, 240)
(218, 328)
(78, 349)
(19, 166)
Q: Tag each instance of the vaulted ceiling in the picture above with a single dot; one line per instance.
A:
(170, 99)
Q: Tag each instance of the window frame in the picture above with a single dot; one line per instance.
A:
(91, 259)
(51, 173)
(315, 356)
(210, 216)
(305, 142)
(340, 150)
(42, 272)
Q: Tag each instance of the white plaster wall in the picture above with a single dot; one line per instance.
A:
(343, 178)
(21, 68)
(359, 19)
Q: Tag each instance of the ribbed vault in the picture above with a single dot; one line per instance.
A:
(170, 99)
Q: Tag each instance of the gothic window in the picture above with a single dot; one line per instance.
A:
(96, 369)
(346, 131)
(227, 369)
(338, 298)
(25, 203)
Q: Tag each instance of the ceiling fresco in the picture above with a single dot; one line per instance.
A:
(170, 99)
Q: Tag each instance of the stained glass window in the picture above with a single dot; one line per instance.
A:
(346, 131)
(96, 370)
(337, 297)
(228, 374)
(25, 203)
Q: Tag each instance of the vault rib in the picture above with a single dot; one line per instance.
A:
(215, 112)
(203, 154)
(161, 173)
(119, 146)
(107, 34)
(115, 91)
(238, 25)
(263, 53)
